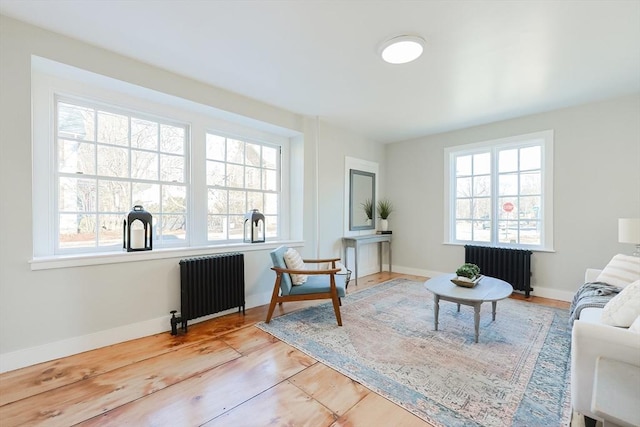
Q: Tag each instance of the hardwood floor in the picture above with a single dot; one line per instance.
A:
(223, 372)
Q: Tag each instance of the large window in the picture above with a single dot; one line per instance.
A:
(499, 192)
(241, 175)
(107, 161)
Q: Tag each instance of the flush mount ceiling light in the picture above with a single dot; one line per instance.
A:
(402, 49)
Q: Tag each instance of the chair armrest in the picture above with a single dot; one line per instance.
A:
(290, 271)
(317, 261)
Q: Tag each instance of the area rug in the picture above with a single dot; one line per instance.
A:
(516, 375)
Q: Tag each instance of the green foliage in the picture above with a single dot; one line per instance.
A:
(384, 208)
(468, 270)
(368, 208)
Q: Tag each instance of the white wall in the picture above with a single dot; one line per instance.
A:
(51, 313)
(596, 181)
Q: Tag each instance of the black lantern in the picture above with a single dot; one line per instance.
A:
(136, 230)
(253, 227)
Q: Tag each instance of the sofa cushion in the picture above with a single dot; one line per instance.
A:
(294, 262)
(635, 326)
(623, 309)
(621, 271)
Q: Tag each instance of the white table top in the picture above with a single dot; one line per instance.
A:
(487, 289)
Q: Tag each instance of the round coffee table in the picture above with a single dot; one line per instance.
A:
(487, 289)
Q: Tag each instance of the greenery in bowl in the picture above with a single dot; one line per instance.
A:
(367, 205)
(468, 270)
(384, 208)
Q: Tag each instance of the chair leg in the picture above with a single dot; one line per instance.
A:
(274, 298)
(336, 309)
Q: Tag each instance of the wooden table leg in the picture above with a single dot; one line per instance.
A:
(476, 319)
(436, 310)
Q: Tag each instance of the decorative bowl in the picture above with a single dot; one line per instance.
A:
(465, 282)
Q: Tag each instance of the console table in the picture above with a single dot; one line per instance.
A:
(356, 241)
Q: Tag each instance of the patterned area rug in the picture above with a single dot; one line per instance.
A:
(517, 375)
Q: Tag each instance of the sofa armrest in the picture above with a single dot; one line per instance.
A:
(588, 342)
(591, 274)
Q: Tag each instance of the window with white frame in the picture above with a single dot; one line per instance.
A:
(108, 160)
(241, 175)
(499, 193)
(102, 146)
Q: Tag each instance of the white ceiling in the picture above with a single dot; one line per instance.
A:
(484, 60)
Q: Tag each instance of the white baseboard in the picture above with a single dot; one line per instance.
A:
(70, 346)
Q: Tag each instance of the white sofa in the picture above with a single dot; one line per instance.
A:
(591, 339)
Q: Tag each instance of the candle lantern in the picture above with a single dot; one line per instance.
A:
(254, 227)
(136, 230)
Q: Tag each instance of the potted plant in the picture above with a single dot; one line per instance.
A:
(468, 271)
(384, 210)
(367, 205)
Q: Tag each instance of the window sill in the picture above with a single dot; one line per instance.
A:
(551, 250)
(81, 260)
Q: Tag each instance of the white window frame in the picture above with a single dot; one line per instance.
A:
(50, 79)
(542, 138)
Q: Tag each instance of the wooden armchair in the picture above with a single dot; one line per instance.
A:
(320, 284)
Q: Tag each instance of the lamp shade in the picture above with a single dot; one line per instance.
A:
(629, 230)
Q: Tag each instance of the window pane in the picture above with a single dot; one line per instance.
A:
(252, 154)
(481, 233)
(171, 168)
(463, 187)
(237, 204)
(463, 230)
(174, 199)
(76, 157)
(146, 195)
(508, 160)
(530, 233)
(215, 147)
(255, 201)
(173, 228)
(172, 139)
(270, 180)
(482, 186)
(271, 226)
(505, 203)
(235, 151)
(508, 184)
(530, 183)
(463, 208)
(217, 227)
(77, 195)
(113, 128)
(253, 178)
(113, 161)
(144, 134)
(144, 165)
(482, 164)
(530, 158)
(215, 173)
(482, 208)
(76, 122)
(110, 231)
(270, 204)
(77, 231)
(508, 231)
(269, 157)
(114, 196)
(235, 176)
(217, 201)
(530, 207)
(463, 165)
(236, 226)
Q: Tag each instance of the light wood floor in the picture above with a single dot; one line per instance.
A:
(223, 372)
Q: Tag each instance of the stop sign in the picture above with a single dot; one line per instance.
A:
(508, 207)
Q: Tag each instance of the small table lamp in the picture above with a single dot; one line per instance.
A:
(629, 232)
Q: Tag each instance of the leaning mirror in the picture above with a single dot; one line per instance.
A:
(362, 190)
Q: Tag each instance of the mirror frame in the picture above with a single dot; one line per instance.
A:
(352, 208)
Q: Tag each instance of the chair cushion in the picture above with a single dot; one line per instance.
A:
(621, 271)
(277, 258)
(294, 261)
(320, 283)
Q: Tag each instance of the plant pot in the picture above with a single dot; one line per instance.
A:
(384, 225)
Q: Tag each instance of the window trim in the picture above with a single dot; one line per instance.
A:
(547, 139)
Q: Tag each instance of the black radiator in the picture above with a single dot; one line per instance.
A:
(210, 284)
(511, 265)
